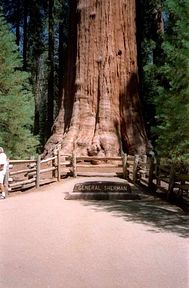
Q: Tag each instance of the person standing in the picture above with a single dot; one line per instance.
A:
(3, 168)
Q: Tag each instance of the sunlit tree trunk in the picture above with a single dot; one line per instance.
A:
(50, 106)
(100, 112)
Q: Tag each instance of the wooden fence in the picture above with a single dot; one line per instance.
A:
(163, 176)
(175, 176)
(25, 174)
(142, 170)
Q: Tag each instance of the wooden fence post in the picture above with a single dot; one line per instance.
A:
(58, 166)
(144, 166)
(74, 163)
(158, 181)
(38, 171)
(124, 159)
(6, 180)
(151, 172)
(171, 182)
(135, 168)
(54, 164)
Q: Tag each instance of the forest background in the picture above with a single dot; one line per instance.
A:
(33, 51)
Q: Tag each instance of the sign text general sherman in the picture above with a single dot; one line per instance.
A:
(101, 187)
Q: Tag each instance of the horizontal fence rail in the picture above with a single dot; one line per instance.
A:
(154, 174)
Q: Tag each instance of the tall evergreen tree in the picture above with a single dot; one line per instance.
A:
(150, 36)
(40, 29)
(167, 80)
(16, 100)
(13, 9)
(172, 101)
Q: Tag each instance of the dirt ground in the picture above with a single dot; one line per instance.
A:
(49, 242)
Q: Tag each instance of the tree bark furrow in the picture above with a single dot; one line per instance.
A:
(104, 104)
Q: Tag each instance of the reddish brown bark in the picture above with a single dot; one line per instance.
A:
(101, 107)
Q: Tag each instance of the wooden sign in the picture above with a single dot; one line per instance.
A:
(105, 186)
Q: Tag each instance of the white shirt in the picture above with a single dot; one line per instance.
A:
(3, 161)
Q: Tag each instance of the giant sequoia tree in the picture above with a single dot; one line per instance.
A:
(100, 112)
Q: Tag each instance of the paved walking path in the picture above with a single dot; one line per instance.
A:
(49, 242)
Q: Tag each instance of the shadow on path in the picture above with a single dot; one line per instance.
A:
(157, 214)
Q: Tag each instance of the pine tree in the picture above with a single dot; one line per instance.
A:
(172, 103)
(150, 36)
(16, 100)
(168, 82)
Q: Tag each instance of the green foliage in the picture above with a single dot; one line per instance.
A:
(149, 54)
(16, 100)
(29, 22)
(167, 79)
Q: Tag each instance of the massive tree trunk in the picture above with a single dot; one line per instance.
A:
(100, 112)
